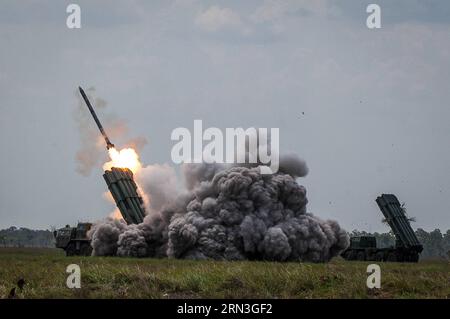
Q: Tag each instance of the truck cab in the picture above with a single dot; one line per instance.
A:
(74, 240)
(362, 242)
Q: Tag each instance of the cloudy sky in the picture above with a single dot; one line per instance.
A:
(367, 109)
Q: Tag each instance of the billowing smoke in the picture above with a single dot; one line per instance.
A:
(224, 213)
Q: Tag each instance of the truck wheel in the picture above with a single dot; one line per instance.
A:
(361, 256)
(392, 257)
(85, 249)
(379, 256)
(413, 257)
(352, 255)
(346, 255)
(70, 249)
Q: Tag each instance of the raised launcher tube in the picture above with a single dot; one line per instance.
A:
(397, 220)
(124, 191)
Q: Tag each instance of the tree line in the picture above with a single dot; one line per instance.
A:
(25, 237)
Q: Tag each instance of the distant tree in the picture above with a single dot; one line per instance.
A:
(23, 237)
(433, 243)
(437, 242)
(447, 240)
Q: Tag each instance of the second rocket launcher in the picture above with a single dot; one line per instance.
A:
(100, 127)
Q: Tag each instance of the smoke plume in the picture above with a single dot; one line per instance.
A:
(91, 152)
(224, 213)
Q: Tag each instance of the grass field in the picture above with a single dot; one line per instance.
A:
(45, 276)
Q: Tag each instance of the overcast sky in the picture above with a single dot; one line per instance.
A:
(367, 109)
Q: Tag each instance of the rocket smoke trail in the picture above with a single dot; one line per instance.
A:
(91, 153)
(97, 121)
(224, 213)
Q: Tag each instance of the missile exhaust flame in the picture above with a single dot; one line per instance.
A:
(125, 158)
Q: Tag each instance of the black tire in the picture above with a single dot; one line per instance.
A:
(345, 255)
(70, 250)
(352, 255)
(379, 256)
(413, 257)
(392, 257)
(85, 249)
(361, 256)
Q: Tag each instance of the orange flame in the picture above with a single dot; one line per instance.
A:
(125, 158)
(116, 214)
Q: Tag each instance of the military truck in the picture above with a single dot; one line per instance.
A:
(407, 247)
(74, 240)
(121, 184)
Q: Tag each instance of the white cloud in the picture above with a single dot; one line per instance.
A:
(216, 18)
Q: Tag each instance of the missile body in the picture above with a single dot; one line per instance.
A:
(100, 127)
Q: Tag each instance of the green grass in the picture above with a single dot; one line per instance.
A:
(109, 277)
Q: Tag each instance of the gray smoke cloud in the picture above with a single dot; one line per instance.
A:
(224, 213)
